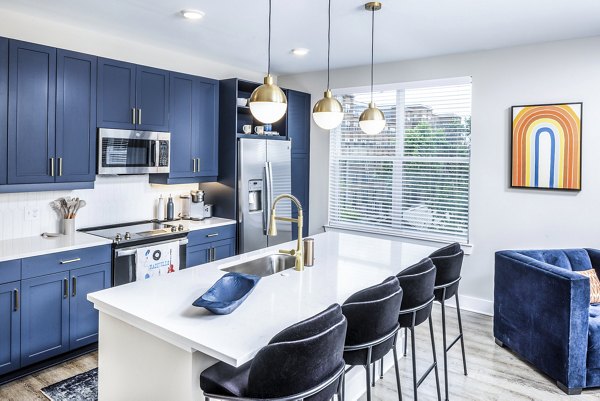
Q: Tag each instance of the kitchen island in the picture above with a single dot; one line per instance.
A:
(154, 344)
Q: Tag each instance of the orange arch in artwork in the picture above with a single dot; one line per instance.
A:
(563, 116)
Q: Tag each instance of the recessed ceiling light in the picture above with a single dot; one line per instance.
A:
(192, 14)
(300, 51)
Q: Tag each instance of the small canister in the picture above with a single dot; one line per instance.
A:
(309, 252)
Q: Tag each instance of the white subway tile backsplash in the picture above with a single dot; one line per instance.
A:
(115, 199)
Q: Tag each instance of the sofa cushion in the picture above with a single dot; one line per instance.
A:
(593, 354)
(594, 285)
(570, 259)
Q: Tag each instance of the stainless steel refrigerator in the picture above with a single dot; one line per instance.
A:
(264, 172)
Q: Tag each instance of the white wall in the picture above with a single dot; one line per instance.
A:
(115, 199)
(500, 217)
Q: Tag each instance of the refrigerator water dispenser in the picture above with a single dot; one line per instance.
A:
(255, 188)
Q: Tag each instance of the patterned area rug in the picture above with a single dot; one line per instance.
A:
(83, 387)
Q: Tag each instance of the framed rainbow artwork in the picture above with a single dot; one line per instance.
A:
(546, 146)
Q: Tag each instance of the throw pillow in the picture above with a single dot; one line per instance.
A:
(594, 284)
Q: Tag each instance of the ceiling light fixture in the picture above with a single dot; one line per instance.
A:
(328, 113)
(300, 51)
(268, 102)
(192, 14)
(372, 120)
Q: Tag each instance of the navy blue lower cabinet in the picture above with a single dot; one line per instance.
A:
(10, 326)
(75, 117)
(3, 105)
(198, 255)
(223, 249)
(44, 317)
(83, 317)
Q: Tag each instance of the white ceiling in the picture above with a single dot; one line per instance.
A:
(235, 31)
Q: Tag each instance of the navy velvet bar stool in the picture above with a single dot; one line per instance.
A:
(417, 282)
(302, 362)
(372, 316)
(448, 262)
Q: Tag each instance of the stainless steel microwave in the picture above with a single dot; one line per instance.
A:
(133, 152)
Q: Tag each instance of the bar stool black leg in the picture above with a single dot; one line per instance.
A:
(460, 330)
(373, 375)
(397, 369)
(368, 373)
(414, 360)
(381, 369)
(437, 378)
(444, 344)
(405, 340)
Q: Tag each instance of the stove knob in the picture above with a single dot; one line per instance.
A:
(180, 228)
(127, 235)
(173, 229)
(118, 237)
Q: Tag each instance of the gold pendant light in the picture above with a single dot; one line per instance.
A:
(372, 120)
(268, 102)
(328, 112)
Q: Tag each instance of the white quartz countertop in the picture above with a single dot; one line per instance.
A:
(201, 225)
(35, 246)
(344, 264)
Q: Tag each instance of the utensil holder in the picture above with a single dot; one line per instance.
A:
(68, 226)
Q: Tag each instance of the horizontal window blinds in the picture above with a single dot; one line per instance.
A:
(413, 178)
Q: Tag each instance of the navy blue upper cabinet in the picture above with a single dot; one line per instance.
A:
(75, 117)
(116, 94)
(44, 317)
(132, 97)
(298, 125)
(152, 99)
(31, 113)
(206, 141)
(184, 125)
(84, 318)
(3, 106)
(10, 327)
(194, 130)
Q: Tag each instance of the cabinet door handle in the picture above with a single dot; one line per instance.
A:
(139, 116)
(16, 294)
(133, 115)
(194, 160)
(198, 164)
(64, 262)
(60, 166)
(211, 255)
(212, 235)
(74, 285)
(52, 167)
(66, 288)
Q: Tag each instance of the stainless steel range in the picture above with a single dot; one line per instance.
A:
(129, 237)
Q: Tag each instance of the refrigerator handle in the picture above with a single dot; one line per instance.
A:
(268, 196)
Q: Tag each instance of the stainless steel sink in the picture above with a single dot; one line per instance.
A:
(264, 266)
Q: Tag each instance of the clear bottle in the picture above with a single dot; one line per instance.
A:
(160, 209)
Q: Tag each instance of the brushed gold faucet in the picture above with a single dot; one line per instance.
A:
(299, 251)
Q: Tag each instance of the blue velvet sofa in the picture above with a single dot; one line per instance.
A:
(542, 312)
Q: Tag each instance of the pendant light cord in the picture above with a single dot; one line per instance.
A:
(328, 40)
(269, 51)
(372, 47)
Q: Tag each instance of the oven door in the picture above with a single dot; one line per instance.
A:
(132, 152)
(124, 261)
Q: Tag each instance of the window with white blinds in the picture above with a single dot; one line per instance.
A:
(412, 179)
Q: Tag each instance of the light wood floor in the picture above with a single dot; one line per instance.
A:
(495, 374)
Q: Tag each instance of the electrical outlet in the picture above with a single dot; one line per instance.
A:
(32, 213)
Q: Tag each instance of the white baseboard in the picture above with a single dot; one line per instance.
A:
(472, 304)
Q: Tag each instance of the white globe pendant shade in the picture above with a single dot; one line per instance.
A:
(268, 102)
(372, 120)
(328, 112)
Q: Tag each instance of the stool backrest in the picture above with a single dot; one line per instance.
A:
(448, 262)
(417, 282)
(372, 313)
(300, 358)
